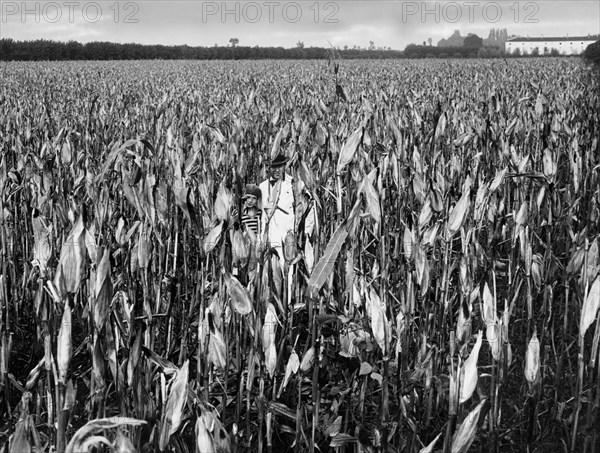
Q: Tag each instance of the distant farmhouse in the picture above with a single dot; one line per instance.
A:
(574, 45)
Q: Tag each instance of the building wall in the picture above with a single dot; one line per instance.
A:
(563, 47)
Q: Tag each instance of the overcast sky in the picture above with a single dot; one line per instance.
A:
(393, 23)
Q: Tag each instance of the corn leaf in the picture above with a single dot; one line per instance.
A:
(349, 149)
(324, 266)
(175, 405)
(465, 433)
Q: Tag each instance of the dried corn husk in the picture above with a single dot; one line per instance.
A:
(458, 214)
(69, 271)
(590, 307)
(532, 360)
(469, 372)
(64, 345)
(240, 298)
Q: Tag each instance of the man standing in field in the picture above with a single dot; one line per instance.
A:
(288, 214)
(278, 205)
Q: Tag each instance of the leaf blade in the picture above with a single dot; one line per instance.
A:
(324, 266)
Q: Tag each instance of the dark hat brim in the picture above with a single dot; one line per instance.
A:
(279, 160)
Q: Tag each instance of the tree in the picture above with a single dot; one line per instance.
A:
(430, 41)
(300, 45)
(517, 52)
(473, 41)
(591, 54)
(371, 45)
(234, 42)
(456, 40)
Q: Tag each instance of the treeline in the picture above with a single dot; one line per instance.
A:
(417, 51)
(42, 49)
(54, 50)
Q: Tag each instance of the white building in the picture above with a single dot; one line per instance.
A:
(564, 45)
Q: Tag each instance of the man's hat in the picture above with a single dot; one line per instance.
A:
(252, 189)
(279, 161)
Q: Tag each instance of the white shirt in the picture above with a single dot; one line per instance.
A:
(277, 209)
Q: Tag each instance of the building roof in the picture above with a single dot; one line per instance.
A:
(554, 38)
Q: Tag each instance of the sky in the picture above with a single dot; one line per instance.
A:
(319, 23)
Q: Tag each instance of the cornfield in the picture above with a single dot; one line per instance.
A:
(447, 299)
